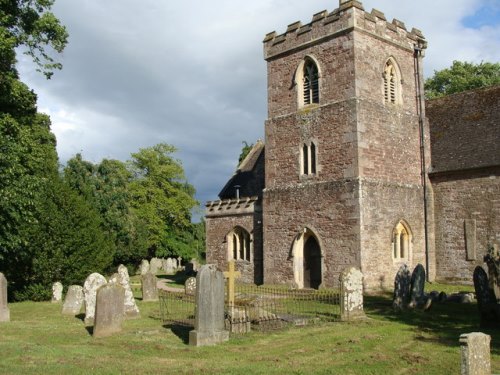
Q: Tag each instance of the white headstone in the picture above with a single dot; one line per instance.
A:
(74, 300)
(144, 268)
(57, 289)
(4, 307)
(351, 300)
(92, 283)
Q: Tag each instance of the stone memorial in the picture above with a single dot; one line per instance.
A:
(174, 263)
(402, 283)
(149, 287)
(169, 266)
(475, 354)
(57, 289)
(122, 278)
(92, 283)
(74, 300)
(190, 286)
(351, 300)
(486, 301)
(4, 307)
(179, 262)
(144, 267)
(417, 286)
(109, 310)
(209, 321)
(155, 265)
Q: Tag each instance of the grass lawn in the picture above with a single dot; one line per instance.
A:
(39, 340)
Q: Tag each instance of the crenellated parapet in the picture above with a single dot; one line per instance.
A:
(229, 207)
(350, 15)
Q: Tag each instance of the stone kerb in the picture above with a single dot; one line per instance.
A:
(57, 290)
(92, 283)
(351, 299)
(109, 310)
(149, 287)
(74, 300)
(475, 354)
(4, 307)
(209, 320)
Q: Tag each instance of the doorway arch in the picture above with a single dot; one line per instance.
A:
(307, 260)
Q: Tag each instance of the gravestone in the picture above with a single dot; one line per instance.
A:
(4, 307)
(122, 278)
(57, 289)
(402, 283)
(144, 267)
(169, 266)
(149, 288)
(351, 300)
(475, 354)
(417, 286)
(155, 265)
(92, 283)
(74, 300)
(109, 310)
(174, 263)
(209, 321)
(486, 300)
(190, 286)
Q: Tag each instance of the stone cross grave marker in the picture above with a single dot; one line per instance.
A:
(209, 321)
(401, 288)
(231, 277)
(4, 307)
(92, 283)
(109, 310)
(149, 288)
(57, 289)
(475, 354)
(74, 300)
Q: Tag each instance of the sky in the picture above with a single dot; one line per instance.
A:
(191, 73)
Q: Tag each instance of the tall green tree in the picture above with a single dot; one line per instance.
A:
(161, 197)
(462, 76)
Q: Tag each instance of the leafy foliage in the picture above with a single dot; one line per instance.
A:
(462, 76)
(244, 151)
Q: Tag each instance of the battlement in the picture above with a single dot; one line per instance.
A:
(226, 207)
(350, 15)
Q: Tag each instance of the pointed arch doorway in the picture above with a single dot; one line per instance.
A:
(307, 260)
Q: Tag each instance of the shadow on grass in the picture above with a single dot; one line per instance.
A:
(443, 323)
(181, 331)
(179, 278)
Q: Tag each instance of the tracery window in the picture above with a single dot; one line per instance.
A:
(392, 83)
(401, 241)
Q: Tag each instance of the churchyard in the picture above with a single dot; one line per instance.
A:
(39, 339)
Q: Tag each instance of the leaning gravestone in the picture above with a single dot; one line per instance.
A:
(475, 354)
(144, 267)
(57, 289)
(109, 310)
(417, 285)
(122, 278)
(486, 301)
(351, 300)
(155, 265)
(4, 307)
(92, 283)
(401, 288)
(149, 288)
(190, 286)
(74, 300)
(209, 321)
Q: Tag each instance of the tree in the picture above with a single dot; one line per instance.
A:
(244, 151)
(30, 24)
(161, 197)
(462, 76)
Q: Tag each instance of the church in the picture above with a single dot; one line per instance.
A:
(357, 168)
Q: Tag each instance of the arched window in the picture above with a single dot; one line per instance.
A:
(307, 80)
(392, 83)
(238, 244)
(401, 241)
(308, 159)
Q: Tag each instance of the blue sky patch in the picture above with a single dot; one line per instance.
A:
(488, 15)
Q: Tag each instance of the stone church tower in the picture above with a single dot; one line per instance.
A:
(343, 171)
(338, 181)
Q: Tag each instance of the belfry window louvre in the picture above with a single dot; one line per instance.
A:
(310, 83)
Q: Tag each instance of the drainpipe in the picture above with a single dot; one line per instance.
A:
(418, 55)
